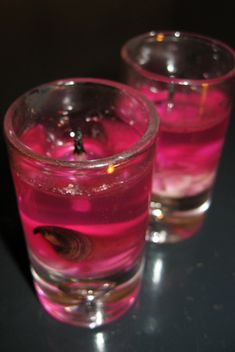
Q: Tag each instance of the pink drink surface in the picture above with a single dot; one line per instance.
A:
(84, 226)
(192, 130)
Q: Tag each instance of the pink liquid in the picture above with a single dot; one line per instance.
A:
(192, 130)
(84, 226)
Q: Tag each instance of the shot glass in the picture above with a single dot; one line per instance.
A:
(81, 153)
(190, 80)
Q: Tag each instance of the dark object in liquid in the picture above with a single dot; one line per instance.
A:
(69, 244)
(78, 145)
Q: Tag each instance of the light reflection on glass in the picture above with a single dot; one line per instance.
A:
(160, 37)
(68, 83)
(156, 236)
(100, 342)
(98, 317)
(145, 55)
(170, 66)
(177, 34)
(155, 280)
(157, 271)
(67, 101)
(150, 325)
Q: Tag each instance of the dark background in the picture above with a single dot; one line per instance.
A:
(191, 307)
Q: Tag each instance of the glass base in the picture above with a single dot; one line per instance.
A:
(169, 224)
(87, 303)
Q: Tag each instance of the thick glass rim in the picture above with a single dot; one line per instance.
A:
(143, 143)
(181, 81)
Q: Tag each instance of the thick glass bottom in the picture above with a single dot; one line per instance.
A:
(173, 220)
(87, 302)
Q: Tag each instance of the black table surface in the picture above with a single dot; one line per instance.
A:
(187, 298)
(186, 303)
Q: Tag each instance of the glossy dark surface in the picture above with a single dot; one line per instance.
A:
(187, 300)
